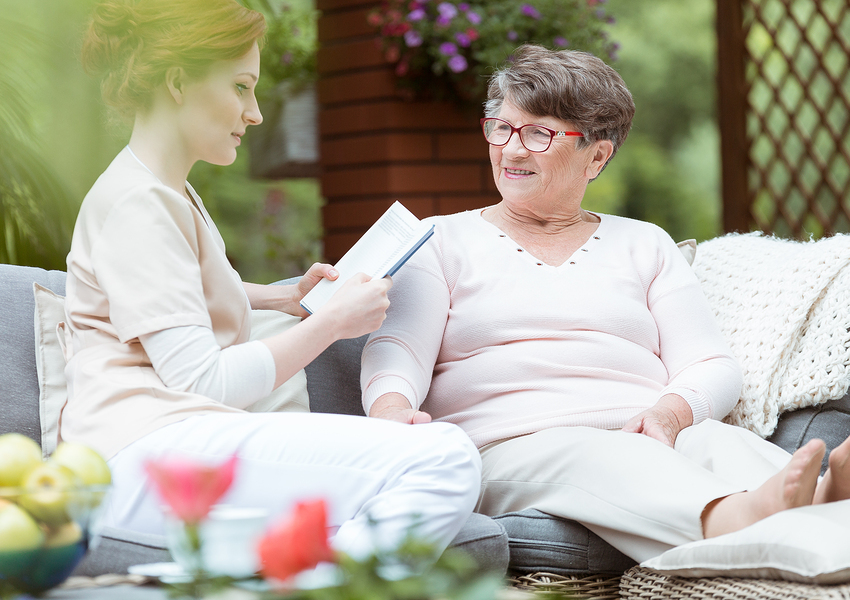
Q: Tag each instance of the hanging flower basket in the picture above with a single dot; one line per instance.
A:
(449, 49)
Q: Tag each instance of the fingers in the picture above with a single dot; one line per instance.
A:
(420, 417)
(634, 425)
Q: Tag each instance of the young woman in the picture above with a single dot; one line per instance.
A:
(159, 321)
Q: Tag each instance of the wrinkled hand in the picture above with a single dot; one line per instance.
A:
(359, 306)
(395, 407)
(662, 422)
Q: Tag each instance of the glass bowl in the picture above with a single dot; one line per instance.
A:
(44, 534)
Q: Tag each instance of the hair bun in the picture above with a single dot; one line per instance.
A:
(112, 34)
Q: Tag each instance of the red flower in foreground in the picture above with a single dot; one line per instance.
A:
(189, 488)
(297, 543)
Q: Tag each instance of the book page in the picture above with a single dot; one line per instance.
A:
(376, 253)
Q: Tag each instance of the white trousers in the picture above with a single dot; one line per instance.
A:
(639, 495)
(366, 469)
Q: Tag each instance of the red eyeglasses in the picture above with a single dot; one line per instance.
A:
(535, 138)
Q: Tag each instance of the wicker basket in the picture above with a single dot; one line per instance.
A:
(598, 587)
(644, 584)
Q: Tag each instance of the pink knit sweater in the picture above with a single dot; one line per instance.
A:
(482, 334)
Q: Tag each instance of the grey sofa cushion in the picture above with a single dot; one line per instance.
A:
(117, 549)
(18, 379)
(540, 542)
(829, 421)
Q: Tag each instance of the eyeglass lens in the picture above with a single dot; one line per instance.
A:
(533, 137)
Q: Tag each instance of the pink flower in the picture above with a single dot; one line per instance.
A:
(447, 10)
(413, 39)
(297, 543)
(416, 15)
(457, 63)
(474, 18)
(448, 49)
(190, 489)
(463, 39)
(529, 11)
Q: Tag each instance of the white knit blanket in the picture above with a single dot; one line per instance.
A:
(784, 308)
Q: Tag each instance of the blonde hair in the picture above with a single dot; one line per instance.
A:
(568, 85)
(131, 44)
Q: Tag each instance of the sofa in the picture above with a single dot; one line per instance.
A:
(523, 542)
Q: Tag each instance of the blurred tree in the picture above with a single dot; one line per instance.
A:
(35, 203)
(668, 170)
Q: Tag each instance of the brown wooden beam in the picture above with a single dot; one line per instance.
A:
(732, 106)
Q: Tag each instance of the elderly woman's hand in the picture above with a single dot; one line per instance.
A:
(395, 407)
(663, 422)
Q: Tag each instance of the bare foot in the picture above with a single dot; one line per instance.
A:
(835, 484)
(793, 486)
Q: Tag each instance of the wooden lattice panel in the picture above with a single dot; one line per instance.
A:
(797, 87)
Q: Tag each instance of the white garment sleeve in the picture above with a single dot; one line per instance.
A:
(700, 365)
(189, 359)
(400, 356)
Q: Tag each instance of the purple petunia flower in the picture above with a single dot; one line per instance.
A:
(443, 21)
(473, 17)
(530, 11)
(448, 49)
(457, 63)
(412, 38)
(463, 39)
(463, 6)
(561, 41)
(447, 10)
(416, 15)
(512, 35)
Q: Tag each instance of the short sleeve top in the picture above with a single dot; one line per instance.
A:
(143, 258)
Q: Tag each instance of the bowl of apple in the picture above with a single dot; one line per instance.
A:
(46, 510)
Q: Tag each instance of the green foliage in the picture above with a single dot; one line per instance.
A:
(289, 49)
(406, 574)
(34, 203)
(449, 49)
(667, 172)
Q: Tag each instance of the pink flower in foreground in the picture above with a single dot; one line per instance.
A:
(297, 543)
(189, 488)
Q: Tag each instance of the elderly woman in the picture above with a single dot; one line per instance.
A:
(576, 349)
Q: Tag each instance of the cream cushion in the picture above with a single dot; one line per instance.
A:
(50, 364)
(810, 544)
(688, 249)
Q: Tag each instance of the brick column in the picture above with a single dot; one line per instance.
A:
(375, 147)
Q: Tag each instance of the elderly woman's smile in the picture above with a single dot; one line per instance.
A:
(555, 176)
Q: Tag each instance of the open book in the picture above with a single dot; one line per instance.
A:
(380, 252)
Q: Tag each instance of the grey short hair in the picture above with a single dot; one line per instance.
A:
(568, 85)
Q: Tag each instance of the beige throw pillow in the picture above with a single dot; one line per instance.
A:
(810, 544)
(50, 364)
(688, 249)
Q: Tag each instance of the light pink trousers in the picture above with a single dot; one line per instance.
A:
(639, 495)
(366, 469)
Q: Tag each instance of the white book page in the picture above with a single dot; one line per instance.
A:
(376, 253)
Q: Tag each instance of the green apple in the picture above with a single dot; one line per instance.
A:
(18, 530)
(64, 535)
(86, 464)
(48, 488)
(18, 456)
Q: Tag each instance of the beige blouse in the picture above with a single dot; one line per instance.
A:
(142, 259)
